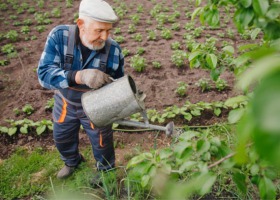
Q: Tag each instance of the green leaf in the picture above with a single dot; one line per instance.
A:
(211, 60)
(165, 154)
(186, 136)
(207, 182)
(4, 129)
(235, 101)
(217, 111)
(260, 6)
(245, 128)
(259, 69)
(182, 147)
(12, 131)
(240, 181)
(202, 146)
(195, 112)
(255, 169)
(194, 54)
(235, 115)
(274, 11)
(196, 12)
(229, 50)
(24, 129)
(246, 3)
(267, 189)
(255, 33)
(138, 159)
(188, 116)
(145, 180)
(212, 17)
(41, 129)
(246, 17)
(215, 73)
(186, 166)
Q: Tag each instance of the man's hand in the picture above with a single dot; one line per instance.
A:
(93, 78)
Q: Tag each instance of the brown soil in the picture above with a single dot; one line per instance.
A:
(19, 85)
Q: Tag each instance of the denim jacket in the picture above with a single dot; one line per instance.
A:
(51, 72)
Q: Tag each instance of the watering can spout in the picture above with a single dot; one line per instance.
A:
(169, 128)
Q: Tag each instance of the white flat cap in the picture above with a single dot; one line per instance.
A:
(98, 10)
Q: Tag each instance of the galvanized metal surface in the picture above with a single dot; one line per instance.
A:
(113, 102)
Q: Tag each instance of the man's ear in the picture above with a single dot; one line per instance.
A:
(81, 24)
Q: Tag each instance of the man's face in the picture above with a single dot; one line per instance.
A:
(94, 34)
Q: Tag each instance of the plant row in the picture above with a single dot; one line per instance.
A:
(187, 111)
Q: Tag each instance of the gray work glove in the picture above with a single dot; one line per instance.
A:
(94, 78)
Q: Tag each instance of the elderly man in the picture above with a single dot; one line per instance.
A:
(74, 66)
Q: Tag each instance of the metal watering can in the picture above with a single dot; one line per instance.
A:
(116, 101)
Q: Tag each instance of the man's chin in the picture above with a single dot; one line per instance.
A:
(96, 47)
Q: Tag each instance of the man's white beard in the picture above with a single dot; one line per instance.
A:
(90, 46)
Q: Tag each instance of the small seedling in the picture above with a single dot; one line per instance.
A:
(119, 39)
(140, 51)
(28, 109)
(117, 31)
(166, 34)
(12, 35)
(182, 88)
(221, 84)
(138, 63)
(204, 84)
(178, 58)
(156, 64)
(152, 35)
(125, 52)
(138, 37)
(175, 45)
(131, 28)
